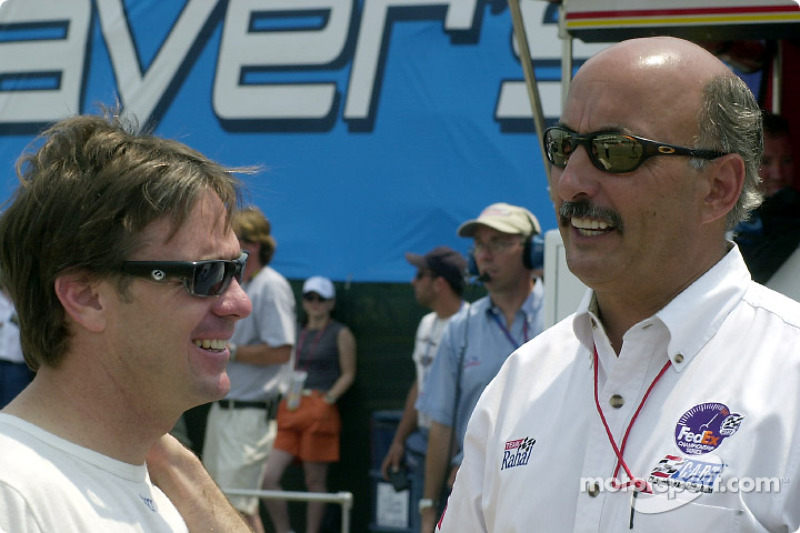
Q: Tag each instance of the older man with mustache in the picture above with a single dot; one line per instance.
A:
(669, 398)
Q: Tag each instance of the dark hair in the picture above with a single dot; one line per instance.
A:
(774, 125)
(457, 284)
(94, 184)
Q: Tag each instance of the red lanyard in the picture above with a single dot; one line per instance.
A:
(639, 484)
(313, 348)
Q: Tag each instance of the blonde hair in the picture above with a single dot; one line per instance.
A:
(250, 225)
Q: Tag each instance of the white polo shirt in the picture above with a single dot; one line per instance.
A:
(718, 438)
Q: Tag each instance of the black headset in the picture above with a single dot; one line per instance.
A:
(532, 255)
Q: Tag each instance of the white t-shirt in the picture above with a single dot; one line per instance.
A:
(48, 485)
(429, 333)
(718, 438)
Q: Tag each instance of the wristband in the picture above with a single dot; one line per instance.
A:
(330, 399)
(425, 503)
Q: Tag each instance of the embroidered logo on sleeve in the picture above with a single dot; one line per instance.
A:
(149, 502)
(702, 428)
(517, 452)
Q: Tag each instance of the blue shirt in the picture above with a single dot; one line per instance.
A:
(474, 346)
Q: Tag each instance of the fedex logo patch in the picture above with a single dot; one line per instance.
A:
(702, 428)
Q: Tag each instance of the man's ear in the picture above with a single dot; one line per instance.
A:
(80, 295)
(725, 181)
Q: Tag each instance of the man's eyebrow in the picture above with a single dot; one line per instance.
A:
(616, 128)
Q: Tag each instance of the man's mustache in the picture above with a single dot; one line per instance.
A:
(585, 209)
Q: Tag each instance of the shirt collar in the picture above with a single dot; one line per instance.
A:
(586, 319)
(692, 318)
(696, 314)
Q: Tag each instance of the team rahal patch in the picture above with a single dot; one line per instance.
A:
(702, 428)
(517, 452)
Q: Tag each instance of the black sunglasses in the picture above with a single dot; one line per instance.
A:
(313, 297)
(612, 151)
(201, 278)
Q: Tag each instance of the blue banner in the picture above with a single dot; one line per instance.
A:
(380, 125)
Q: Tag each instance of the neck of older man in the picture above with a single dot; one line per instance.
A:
(621, 308)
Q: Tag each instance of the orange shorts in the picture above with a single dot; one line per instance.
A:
(311, 432)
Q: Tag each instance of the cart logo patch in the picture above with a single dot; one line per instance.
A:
(677, 480)
(517, 452)
(687, 473)
(702, 428)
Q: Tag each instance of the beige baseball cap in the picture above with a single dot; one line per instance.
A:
(505, 218)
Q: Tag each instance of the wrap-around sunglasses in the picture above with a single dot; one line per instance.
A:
(201, 278)
(612, 151)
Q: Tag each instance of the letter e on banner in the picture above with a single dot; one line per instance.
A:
(42, 56)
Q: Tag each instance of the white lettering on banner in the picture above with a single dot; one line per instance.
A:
(543, 43)
(545, 47)
(140, 93)
(60, 59)
(242, 47)
(363, 76)
(250, 43)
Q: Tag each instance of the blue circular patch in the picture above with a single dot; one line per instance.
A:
(702, 428)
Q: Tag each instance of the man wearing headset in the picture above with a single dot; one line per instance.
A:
(476, 342)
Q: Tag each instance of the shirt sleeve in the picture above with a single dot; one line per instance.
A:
(15, 513)
(275, 315)
(464, 511)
